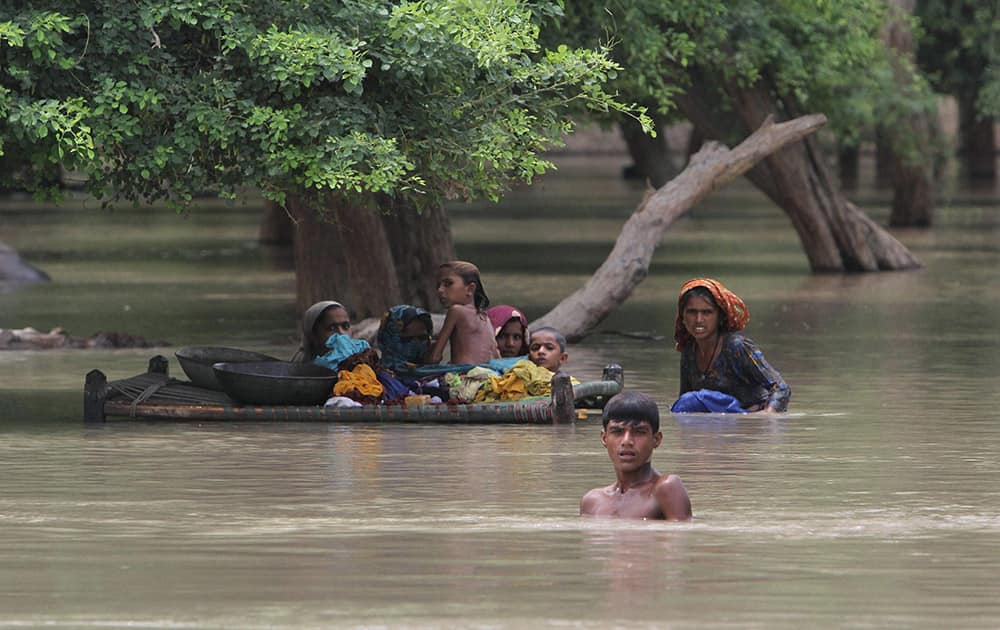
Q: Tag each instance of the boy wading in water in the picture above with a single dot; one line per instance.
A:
(631, 432)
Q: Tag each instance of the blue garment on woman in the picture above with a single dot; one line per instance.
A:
(398, 353)
(706, 401)
(339, 347)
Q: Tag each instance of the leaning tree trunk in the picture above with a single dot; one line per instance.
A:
(628, 263)
(836, 236)
(978, 142)
(910, 153)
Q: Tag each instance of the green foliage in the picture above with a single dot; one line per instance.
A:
(814, 55)
(165, 99)
(960, 48)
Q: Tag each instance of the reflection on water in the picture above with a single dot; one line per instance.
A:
(873, 503)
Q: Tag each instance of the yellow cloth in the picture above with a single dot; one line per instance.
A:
(361, 379)
(522, 380)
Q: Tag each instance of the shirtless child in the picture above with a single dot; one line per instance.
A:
(466, 325)
(631, 432)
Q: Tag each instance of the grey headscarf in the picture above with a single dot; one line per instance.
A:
(308, 350)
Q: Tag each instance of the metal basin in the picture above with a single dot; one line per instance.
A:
(197, 361)
(276, 382)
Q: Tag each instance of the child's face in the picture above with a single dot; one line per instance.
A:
(511, 339)
(452, 289)
(544, 351)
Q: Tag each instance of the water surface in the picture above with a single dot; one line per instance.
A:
(874, 503)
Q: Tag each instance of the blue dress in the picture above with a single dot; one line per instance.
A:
(741, 371)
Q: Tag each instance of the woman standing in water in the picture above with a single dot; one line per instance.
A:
(721, 370)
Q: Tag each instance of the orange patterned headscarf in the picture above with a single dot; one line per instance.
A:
(737, 313)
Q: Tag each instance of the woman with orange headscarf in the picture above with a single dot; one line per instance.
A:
(721, 370)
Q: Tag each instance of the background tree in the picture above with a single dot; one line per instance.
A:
(340, 111)
(728, 66)
(960, 49)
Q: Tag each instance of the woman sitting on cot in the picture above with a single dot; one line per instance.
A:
(326, 335)
(721, 370)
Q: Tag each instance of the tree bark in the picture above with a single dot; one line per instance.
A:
(368, 256)
(836, 236)
(911, 158)
(849, 165)
(420, 240)
(342, 253)
(978, 142)
(276, 227)
(628, 263)
(651, 158)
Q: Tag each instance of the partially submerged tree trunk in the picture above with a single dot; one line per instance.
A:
(909, 144)
(276, 227)
(628, 263)
(836, 236)
(366, 257)
(978, 149)
(651, 160)
(420, 240)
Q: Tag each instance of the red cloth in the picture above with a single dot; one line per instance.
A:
(737, 313)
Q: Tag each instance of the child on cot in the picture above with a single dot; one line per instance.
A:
(466, 327)
(547, 348)
(510, 327)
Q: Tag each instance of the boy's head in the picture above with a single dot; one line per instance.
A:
(632, 408)
(469, 275)
(547, 348)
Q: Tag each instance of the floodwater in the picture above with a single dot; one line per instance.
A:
(874, 503)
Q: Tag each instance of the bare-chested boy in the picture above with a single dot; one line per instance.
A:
(466, 326)
(631, 432)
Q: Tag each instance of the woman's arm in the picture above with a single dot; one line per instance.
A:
(760, 372)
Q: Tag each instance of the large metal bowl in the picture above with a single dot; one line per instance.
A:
(276, 382)
(197, 361)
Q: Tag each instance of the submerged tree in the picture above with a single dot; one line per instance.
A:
(359, 117)
(960, 49)
(728, 66)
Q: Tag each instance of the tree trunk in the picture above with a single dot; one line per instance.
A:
(420, 240)
(978, 142)
(836, 236)
(651, 160)
(848, 165)
(628, 263)
(368, 258)
(276, 227)
(909, 144)
(343, 254)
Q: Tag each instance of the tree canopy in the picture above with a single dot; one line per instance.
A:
(170, 99)
(960, 49)
(813, 56)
